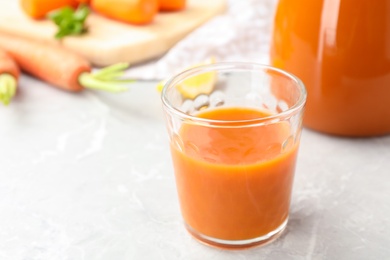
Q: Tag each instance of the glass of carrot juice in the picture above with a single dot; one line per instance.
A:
(234, 133)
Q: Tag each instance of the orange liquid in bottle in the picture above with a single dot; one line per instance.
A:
(234, 183)
(341, 51)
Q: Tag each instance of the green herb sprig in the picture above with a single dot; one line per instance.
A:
(70, 21)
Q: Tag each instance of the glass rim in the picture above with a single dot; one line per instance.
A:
(231, 66)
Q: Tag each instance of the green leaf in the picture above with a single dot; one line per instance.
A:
(108, 79)
(7, 87)
(82, 13)
(70, 21)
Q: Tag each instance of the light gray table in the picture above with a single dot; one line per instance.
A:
(88, 176)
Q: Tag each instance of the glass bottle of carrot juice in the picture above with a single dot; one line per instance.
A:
(341, 51)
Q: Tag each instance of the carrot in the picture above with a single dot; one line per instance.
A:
(130, 11)
(40, 8)
(59, 66)
(9, 74)
(83, 1)
(172, 5)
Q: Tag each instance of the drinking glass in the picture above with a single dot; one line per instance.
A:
(234, 147)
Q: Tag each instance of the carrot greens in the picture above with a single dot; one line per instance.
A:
(7, 88)
(70, 21)
(107, 79)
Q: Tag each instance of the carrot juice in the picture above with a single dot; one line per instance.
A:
(340, 49)
(234, 149)
(234, 182)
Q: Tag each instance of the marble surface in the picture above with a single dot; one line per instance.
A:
(89, 176)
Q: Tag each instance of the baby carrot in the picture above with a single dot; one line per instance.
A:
(9, 74)
(59, 66)
(171, 5)
(40, 8)
(130, 11)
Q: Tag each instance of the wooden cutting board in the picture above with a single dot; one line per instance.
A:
(109, 41)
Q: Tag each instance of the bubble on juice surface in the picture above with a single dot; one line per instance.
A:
(217, 98)
(201, 102)
(187, 107)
